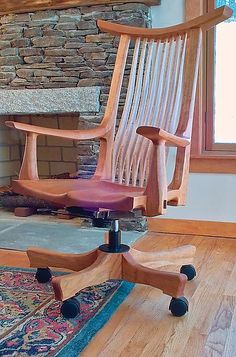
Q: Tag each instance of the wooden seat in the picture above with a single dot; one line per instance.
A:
(162, 66)
(84, 193)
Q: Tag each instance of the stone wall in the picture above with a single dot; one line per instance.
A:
(62, 48)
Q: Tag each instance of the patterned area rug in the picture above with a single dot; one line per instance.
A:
(30, 320)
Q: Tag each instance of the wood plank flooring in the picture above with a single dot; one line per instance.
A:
(143, 326)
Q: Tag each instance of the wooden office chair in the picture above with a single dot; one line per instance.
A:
(131, 170)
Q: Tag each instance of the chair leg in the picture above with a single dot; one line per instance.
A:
(42, 258)
(106, 266)
(177, 256)
(170, 283)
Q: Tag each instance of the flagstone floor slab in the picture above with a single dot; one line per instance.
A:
(45, 232)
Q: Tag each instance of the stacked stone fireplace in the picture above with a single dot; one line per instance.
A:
(60, 49)
(54, 49)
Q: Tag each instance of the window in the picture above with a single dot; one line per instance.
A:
(214, 133)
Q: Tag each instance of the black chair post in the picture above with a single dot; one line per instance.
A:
(114, 245)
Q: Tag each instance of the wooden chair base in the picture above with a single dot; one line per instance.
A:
(95, 267)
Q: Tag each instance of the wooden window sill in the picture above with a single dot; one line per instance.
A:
(213, 163)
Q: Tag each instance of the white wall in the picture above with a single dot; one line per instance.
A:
(211, 196)
(169, 13)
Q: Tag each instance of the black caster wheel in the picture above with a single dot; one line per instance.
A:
(178, 306)
(70, 308)
(43, 275)
(188, 270)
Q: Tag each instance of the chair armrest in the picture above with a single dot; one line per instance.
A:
(84, 134)
(156, 135)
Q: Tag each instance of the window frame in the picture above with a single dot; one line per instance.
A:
(207, 156)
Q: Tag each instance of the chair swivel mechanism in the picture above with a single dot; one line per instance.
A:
(130, 178)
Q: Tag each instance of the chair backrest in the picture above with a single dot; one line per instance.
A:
(161, 91)
(153, 98)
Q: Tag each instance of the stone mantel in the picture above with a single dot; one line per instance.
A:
(52, 101)
(16, 6)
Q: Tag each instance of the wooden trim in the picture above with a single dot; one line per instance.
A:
(206, 156)
(220, 164)
(193, 9)
(209, 123)
(208, 82)
(195, 227)
(15, 6)
(224, 147)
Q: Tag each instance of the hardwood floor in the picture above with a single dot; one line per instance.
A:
(143, 325)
